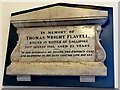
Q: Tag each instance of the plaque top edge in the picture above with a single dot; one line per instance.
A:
(57, 12)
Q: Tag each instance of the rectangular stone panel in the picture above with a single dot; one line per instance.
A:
(63, 43)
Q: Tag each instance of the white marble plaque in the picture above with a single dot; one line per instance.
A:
(60, 41)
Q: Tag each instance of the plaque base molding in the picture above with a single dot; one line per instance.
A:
(58, 68)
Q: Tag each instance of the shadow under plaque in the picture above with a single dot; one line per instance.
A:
(61, 45)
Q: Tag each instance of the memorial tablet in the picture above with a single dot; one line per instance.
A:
(59, 43)
(65, 43)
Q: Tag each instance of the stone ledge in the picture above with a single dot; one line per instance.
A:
(58, 68)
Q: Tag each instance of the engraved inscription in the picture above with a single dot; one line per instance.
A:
(64, 43)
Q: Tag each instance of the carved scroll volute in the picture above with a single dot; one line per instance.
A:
(100, 52)
(15, 55)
